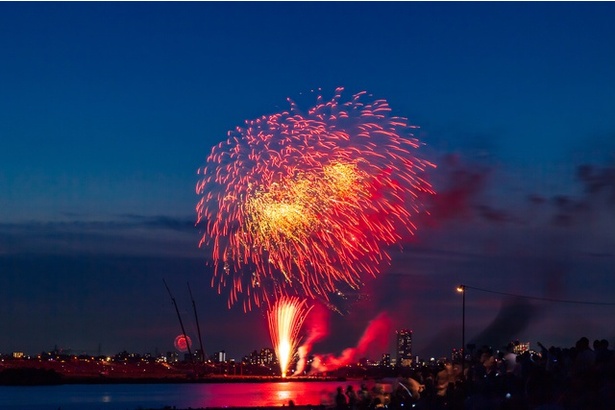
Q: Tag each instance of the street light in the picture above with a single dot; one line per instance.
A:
(462, 289)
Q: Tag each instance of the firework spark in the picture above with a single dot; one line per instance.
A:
(303, 203)
(286, 317)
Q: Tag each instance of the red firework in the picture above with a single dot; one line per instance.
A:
(301, 203)
(182, 343)
(285, 320)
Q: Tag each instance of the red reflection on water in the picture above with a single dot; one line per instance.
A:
(268, 394)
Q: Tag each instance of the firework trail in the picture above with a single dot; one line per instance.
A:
(299, 204)
(286, 317)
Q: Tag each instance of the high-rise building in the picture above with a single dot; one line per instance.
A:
(267, 356)
(253, 358)
(386, 360)
(404, 347)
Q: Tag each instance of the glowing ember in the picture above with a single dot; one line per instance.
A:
(285, 318)
(301, 203)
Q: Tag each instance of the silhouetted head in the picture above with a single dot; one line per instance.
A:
(582, 343)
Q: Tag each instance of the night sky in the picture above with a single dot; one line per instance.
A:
(107, 110)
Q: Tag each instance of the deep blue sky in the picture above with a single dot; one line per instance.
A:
(108, 109)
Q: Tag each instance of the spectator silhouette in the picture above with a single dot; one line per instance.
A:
(365, 399)
(353, 399)
(603, 355)
(340, 400)
(585, 358)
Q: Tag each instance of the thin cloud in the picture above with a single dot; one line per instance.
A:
(119, 235)
(160, 222)
(598, 181)
(127, 221)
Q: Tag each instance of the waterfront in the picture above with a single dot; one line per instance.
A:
(157, 396)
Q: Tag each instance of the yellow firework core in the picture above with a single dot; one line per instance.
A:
(342, 180)
(290, 209)
(282, 212)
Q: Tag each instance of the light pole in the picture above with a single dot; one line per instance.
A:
(462, 290)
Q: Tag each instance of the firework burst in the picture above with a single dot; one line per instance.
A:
(300, 203)
(182, 343)
(286, 317)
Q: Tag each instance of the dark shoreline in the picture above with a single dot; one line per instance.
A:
(286, 407)
(177, 380)
(293, 407)
(47, 377)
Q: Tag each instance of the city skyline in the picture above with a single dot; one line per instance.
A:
(266, 355)
(111, 108)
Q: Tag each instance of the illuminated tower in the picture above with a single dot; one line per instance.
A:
(404, 347)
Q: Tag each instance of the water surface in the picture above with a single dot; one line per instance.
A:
(181, 395)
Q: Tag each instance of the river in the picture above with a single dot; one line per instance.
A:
(157, 396)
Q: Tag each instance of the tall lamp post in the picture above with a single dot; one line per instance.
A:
(462, 289)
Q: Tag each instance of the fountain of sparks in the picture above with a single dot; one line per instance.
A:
(286, 317)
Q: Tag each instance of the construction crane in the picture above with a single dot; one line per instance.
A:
(180, 320)
(198, 327)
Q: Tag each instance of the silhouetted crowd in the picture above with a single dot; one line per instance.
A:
(575, 378)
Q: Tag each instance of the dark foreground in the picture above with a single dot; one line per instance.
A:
(576, 378)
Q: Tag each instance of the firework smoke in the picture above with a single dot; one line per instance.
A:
(285, 318)
(317, 329)
(376, 333)
(299, 204)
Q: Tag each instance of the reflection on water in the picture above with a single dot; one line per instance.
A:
(283, 395)
(267, 394)
(133, 396)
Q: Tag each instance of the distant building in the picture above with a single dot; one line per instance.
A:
(404, 347)
(172, 357)
(253, 358)
(199, 355)
(386, 360)
(267, 356)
